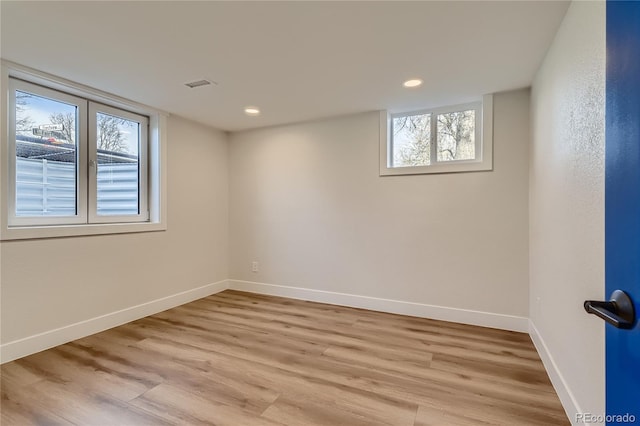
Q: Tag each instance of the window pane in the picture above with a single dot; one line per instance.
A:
(411, 140)
(46, 156)
(118, 143)
(456, 136)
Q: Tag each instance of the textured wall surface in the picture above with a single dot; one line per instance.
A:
(567, 202)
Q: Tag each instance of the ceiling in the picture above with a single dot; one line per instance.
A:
(296, 61)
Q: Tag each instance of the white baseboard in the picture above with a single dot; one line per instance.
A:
(464, 316)
(39, 342)
(567, 399)
(32, 344)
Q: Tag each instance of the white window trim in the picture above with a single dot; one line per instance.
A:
(157, 160)
(143, 157)
(81, 147)
(484, 144)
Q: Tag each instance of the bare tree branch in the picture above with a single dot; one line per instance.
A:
(455, 138)
(418, 130)
(23, 123)
(110, 138)
(68, 123)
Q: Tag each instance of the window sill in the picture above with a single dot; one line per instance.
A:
(458, 167)
(59, 231)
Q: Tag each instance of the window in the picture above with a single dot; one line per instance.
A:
(442, 140)
(117, 165)
(77, 165)
(46, 144)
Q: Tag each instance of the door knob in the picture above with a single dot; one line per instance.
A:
(618, 311)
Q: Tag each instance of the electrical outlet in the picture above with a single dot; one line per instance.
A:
(255, 266)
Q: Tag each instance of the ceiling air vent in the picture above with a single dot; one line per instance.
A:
(198, 83)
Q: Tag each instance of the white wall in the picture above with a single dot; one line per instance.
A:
(306, 201)
(567, 207)
(57, 282)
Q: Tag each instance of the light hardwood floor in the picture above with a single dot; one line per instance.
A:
(243, 359)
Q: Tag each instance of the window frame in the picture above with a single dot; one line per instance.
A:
(143, 211)
(156, 154)
(81, 148)
(483, 141)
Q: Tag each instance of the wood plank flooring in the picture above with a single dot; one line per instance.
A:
(243, 359)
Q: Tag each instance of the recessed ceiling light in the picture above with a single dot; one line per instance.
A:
(414, 82)
(251, 110)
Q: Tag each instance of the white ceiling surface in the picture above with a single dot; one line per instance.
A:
(297, 61)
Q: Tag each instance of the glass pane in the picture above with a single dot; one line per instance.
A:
(411, 140)
(118, 141)
(457, 136)
(46, 157)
